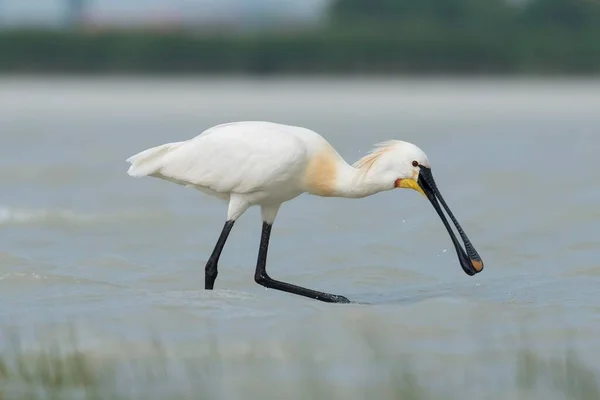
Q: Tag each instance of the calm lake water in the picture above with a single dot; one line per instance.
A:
(116, 264)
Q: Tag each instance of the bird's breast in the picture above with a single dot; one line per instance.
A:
(320, 174)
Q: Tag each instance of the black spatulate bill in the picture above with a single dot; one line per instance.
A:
(469, 259)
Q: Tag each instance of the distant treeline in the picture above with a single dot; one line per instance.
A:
(361, 36)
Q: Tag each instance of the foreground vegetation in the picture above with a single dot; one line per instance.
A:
(60, 373)
(360, 36)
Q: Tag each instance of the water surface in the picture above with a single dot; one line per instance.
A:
(89, 252)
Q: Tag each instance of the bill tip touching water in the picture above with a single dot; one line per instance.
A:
(265, 164)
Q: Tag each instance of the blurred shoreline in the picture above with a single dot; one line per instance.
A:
(326, 52)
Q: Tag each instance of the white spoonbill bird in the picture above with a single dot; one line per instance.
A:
(266, 164)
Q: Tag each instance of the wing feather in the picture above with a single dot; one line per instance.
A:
(240, 158)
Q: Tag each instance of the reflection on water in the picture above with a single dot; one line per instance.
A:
(120, 261)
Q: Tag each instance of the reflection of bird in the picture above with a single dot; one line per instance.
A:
(267, 164)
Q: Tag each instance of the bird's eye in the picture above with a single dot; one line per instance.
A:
(415, 163)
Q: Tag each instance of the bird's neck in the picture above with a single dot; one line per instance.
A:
(352, 182)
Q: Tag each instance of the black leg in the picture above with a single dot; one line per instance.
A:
(261, 277)
(210, 271)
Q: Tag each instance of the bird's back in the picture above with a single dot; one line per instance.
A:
(238, 157)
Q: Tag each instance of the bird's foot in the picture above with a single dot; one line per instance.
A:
(339, 299)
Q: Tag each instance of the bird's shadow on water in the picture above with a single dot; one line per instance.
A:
(403, 298)
(493, 291)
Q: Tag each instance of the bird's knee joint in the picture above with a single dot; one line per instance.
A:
(261, 278)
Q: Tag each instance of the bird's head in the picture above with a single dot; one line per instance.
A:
(407, 166)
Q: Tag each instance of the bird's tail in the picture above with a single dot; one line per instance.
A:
(149, 161)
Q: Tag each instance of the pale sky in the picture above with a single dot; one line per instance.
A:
(53, 11)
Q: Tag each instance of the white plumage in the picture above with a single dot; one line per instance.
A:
(256, 163)
(251, 159)
(266, 164)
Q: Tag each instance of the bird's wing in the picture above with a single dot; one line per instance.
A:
(234, 159)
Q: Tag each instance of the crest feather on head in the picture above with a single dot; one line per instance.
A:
(380, 149)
